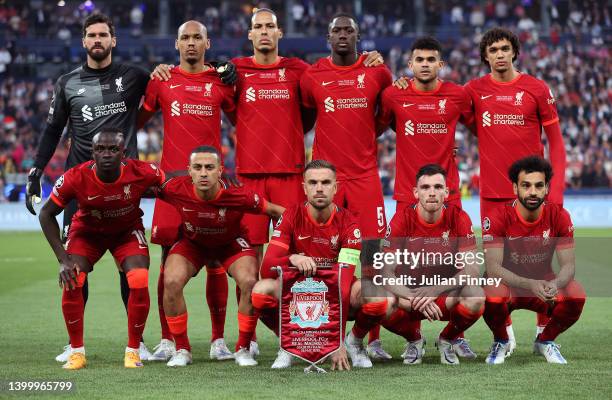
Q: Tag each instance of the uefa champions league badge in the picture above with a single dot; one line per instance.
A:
(309, 308)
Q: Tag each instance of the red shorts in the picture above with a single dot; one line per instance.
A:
(363, 197)
(402, 205)
(222, 256)
(523, 299)
(488, 206)
(282, 189)
(166, 224)
(92, 246)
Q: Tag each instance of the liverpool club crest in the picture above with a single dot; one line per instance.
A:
(309, 308)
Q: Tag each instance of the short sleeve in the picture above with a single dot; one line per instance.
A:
(565, 230)
(385, 111)
(466, 110)
(227, 102)
(385, 79)
(494, 229)
(465, 232)
(64, 189)
(547, 109)
(351, 236)
(283, 230)
(151, 98)
(397, 231)
(306, 91)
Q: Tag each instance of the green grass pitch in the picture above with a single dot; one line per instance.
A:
(33, 333)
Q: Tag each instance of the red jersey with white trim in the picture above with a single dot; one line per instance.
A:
(269, 131)
(450, 235)
(529, 246)
(299, 233)
(509, 119)
(106, 207)
(346, 100)
(211, 223)
(191, 106)
(425, 124)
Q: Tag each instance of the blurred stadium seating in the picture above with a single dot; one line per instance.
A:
(565, 43)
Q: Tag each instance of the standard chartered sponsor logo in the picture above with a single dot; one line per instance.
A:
(86, 111)
(409, 128)
(486, 119)
(267, 94)
(424, 128)
(250, 95)
(329, 105)
(332, 105)
(190, 109)
(502, 119)
(175, 109)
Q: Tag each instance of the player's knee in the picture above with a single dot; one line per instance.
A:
(497, 294)
(472, 297)
(573, 292)
(246, 284)
(138, 278)
(173, 284)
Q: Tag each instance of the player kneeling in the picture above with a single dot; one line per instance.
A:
(108, 191)
(520, 241)
(211, 235)
(437, 290)
(312, 235)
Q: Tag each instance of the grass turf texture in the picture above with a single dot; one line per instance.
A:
(33, 333)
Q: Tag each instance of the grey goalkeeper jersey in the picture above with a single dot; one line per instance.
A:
(87, 100)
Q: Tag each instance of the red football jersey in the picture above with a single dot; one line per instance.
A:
(106, 207)
(214, 222)
(529, 246)
(425, 125)
(509, 119)
(191, 106)
(451, 234)
(297, 232)
(346, 100)
(269, 131)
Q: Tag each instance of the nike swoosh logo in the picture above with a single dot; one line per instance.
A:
(327, 83)
(186, 209)
(249, 75)
(93, 197)
(300, 237)
(413, 239)
(407, 104)
(381, 230)
(513, 238)
(73, 322)
(142, 247)
(138, 326)
(175, 86)
(485, 97)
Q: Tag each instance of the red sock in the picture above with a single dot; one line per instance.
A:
(216, 297)
(165, 329)
(496, 314)
(73, 308)
(461, 318)
(238, 294)
(564, 315)
(138, 305)
(401, 323)
(267, 309)
(369, 316)
(508, 321)
(178, 328)
(542, 319)
(246, 326)
(374, 334)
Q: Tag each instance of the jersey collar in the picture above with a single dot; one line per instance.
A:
(523, 220)
(357, 63)
(326, 223)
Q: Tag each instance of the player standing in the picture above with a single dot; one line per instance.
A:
(432, 227)
(510, 109)
(108, 190)
(100, 93)
(520, 241)
(315, 234)
(191, 102)
(211, 235)
(346, 96)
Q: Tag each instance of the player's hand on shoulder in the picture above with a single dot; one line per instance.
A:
(227, 71)
(68, 273)
(402, 83)
(373, 59)
(34, 189)
(339, 360)
(304, 264)
(162, 72)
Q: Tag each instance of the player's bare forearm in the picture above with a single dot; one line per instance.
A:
(567, 270)
(274, 210)
(51, 229)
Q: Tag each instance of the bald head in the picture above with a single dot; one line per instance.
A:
(191, 26)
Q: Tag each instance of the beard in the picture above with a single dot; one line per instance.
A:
(529, 206)
(99, 56)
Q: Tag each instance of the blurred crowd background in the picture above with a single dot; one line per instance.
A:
(565, 43)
